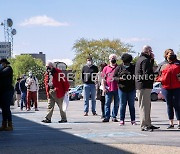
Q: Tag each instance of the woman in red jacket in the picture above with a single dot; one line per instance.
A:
(169, 76)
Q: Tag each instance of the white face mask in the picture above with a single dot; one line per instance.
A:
(89, 63)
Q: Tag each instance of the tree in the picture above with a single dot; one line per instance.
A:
(99, 50)
(178, 55)
(22, 64)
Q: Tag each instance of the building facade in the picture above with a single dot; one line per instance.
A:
(5, 50)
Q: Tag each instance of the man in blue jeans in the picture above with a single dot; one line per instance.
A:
(110, 88)
(89, 73)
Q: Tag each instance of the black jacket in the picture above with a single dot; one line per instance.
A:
(88, 73)
(144, 72)
(17, 88)
(6, 79)
(22, 86)
(128, 84)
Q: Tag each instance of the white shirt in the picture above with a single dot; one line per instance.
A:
(31, 84)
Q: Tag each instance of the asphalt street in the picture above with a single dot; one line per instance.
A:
(87, 135)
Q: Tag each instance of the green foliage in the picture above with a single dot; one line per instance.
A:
(22, 64)
(99, 50)
(178, 55)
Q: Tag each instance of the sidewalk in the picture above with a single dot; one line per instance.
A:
(87, 134)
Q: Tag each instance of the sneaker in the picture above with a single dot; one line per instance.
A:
(170, 127)
(121, 123)
(178, 127)
(146, 129)
(105, 120)
(85, 114)
(114, 120)
(94, 114)
(133, 123)
(28, 109)
(62, 121)
(154, 127)
(36, 109)
(46, 121)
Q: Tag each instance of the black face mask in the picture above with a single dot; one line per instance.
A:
(172, 57)
(48, 68)
(113, 61)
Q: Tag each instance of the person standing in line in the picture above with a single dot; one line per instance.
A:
(18, 92)
(144, 83)
(110, 88)
(124, 75)
(56, 87)
(32, 89)
(89, 73)
(7, 92)
(23, 90)
(169, 76)
(99, 90)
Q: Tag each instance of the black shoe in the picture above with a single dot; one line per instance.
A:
(62, 121)
(94, 114)
(170, 127)
(147, 129)
(105, 120)
(46, 121)
(115, 120)
(154, 127)
(178, 127)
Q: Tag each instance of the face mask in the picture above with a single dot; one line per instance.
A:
(126, 66)
(89, 63)
(113, 61)
(172, 57)
(48, 68)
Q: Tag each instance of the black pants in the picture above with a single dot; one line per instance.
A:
(6, 99)
(172, 97)
(102, 99)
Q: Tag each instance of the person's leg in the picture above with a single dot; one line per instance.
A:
(144, 101)
(131, 100)
(18, 97)
(108, 99)
(116, 105)
(123, 103)
(34, 98)
(22, 99)
(93, 98)
(29, 97)
(102, 99)
(176, 103)
(86, 97)
(59, 102)
(51, 103)
(6, 112)
(169, 101)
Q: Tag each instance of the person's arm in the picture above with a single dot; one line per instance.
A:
(37, 84)
(6, 71)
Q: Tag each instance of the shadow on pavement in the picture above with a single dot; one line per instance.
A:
(30, 137)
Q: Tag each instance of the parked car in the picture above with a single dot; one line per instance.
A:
(156, 93)
(76, 93)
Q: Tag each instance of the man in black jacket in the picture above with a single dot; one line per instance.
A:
(144, 84)
(89, 73)
(7, 92)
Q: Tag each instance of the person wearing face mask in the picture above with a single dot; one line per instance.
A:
(169, 76)
(110, 88)
(32, 89)
(144, 78)
(56, 87)
(89, 73)
(7, 92)
(124, 75)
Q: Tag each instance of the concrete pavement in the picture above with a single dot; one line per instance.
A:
(87, 134)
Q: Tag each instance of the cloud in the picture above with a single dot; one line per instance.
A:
(42, 21)
(66, 61)
(135, 39)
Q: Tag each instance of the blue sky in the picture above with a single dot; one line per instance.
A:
(53, 26)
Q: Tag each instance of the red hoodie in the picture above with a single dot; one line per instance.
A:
(168, 76)
(61, 86)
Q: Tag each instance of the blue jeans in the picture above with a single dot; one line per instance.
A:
(23, 99)
(108, 98)
(89, 90)
(127, 97)
(6, 99)
(172, 97)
